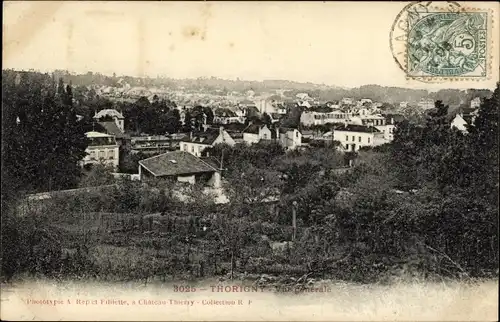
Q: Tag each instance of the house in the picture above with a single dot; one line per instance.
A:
(281, 109)
(346, 101)
(102, 149)
(332, 105)
(196, 144)
(254, 133)
(403, 104)
(352, 136)
(308, 118)
(111, 128)
(426, 104)
(117, 117)
(303, 96)
(228, 120)
(265, 106)
(290, 138)
(180, 166)
(475, 103)
(246, 103)
(153, 144)
(464, 118)
(305, 104)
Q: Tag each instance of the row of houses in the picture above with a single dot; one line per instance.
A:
(190, 162)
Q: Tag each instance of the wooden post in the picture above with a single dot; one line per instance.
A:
(294, 220)
(232, 263)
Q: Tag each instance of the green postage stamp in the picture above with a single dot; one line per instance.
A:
(448, 44)
(441, 41)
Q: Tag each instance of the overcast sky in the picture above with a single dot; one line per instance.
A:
(336, 43)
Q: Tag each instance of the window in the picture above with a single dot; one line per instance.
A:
(368, 140)
(353, 138)
(347, 147)
(265, 136)
(297, 134)
(101, 154)
(192, 148)
(359, 138)
(347, 138)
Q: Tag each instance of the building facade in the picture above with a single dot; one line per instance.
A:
(102, 149)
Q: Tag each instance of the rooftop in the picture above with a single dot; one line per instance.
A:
(112, 128)
(93, 134)
(176, 163)
(356, 128)
(109, 112)
(208, 137)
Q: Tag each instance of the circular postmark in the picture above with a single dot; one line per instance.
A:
(435, 41)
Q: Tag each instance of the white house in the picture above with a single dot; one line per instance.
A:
(302, 96)
(463, 119)
(353, 137)
(346, 101)
(305, 104)
(102, 149)
(254, 133)
(308, 118)
(475, 103)
(459, 123)
(290, 138)
(115, 115)
(426, 104)
(265, 106)
(196, 144)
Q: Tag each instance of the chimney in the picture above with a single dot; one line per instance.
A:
(221, 130)
(190, 135)
(277, 133)
(392, 120)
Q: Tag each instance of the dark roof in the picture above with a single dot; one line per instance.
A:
(208, 137)
(468, 118)
(356, 128)
(286, 129)
(397, 117)
(212, 161)
(224, 112)
(252, 128)
(467, 110)
(234, 127)
(112, 129)
(175, 163)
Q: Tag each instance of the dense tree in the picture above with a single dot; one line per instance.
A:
(43, 141)
(293, 118)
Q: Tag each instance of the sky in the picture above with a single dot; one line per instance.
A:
(336, 43)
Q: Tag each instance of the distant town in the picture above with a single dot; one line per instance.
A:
(278, 182)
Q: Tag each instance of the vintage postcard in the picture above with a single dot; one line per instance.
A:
(250, 161)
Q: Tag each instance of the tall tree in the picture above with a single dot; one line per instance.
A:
(44, 141)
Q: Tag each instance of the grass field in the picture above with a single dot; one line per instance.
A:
(450, 301)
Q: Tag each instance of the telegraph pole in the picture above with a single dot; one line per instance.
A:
(294, 220)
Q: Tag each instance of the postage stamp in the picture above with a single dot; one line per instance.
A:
(436, 42)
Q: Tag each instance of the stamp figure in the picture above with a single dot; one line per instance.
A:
(448, 44)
